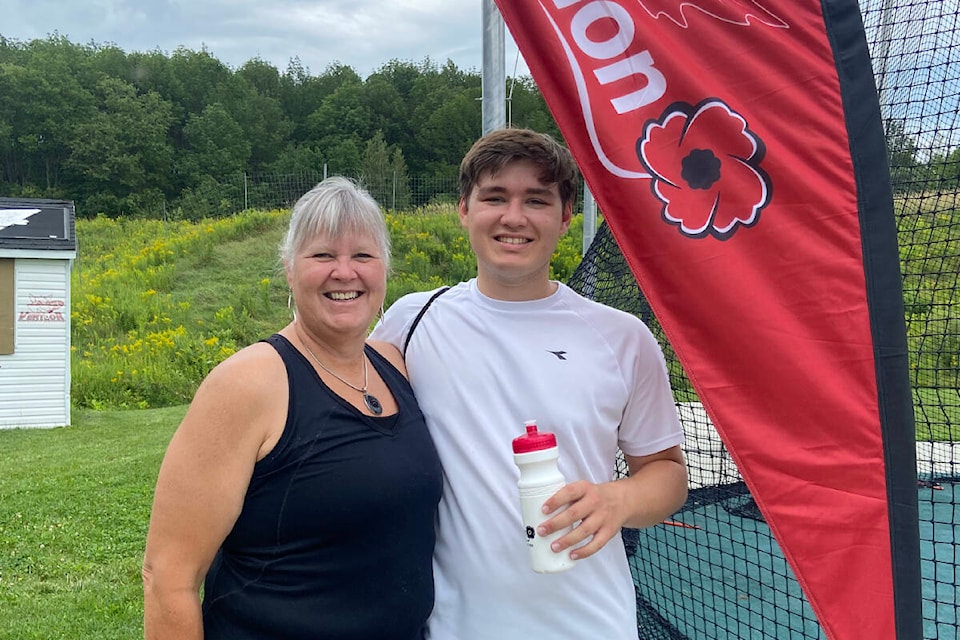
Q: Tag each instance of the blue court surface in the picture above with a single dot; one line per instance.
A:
(715, 570)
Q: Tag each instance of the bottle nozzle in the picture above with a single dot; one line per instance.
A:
(533, 440)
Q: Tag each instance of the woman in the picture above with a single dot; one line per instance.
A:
(301, 487)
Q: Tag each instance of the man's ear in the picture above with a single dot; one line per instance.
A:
(462, 211)
(566, 217)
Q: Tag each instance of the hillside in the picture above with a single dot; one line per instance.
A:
(156, 304)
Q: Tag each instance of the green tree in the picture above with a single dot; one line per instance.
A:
(342, 113)
(123, 132)
(297, 158)
(307, 100)
(905, 170)
(199, 79)
(945, 169)
(384, 173)
(300, 95)
(154, 71)
(43, 101)
(449, 130)
(388, 113)
(216, 145)
(262, 121)
(402, 197)
(446, 119)
(112, 61)
(335, 76)
(527, 108)
(262, 76)
(340, 127)
(401, 77)
(341, 155)
(122, 153)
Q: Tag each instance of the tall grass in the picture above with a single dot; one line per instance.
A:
(156, 305)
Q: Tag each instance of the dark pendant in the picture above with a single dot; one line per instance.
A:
(373, 404)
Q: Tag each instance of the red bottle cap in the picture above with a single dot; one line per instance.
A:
(533, 440)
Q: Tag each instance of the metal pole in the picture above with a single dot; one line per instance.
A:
(589, 218)
(494, 69)
(886, 37)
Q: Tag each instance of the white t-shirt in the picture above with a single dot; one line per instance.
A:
(593, 375)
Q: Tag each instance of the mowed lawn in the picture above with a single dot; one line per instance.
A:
(74, 507)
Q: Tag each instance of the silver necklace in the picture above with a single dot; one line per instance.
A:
(368, 398)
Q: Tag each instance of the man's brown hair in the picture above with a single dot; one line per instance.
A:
(497, 149)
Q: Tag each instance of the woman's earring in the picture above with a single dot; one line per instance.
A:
(380, 316)
(290, 304)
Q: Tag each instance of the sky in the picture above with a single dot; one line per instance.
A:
(363, 34)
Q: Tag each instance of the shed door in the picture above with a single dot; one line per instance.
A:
(7, 298)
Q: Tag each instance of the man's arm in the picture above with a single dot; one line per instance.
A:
(655, 488)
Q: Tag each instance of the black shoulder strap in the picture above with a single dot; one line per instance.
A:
(416, 320)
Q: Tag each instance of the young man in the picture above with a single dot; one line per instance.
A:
(512, 345)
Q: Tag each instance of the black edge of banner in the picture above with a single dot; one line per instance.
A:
(881, 263)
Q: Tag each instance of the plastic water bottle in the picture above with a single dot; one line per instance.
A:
(536, 455)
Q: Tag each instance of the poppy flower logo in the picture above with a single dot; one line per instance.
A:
(705, 165)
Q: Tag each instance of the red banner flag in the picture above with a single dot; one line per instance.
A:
(736, 152)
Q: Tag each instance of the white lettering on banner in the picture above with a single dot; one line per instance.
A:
(613, 46)
(639, 64)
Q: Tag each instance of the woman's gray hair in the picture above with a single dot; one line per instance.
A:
(335, 206)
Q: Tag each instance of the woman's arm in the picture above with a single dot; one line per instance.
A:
(236, 416)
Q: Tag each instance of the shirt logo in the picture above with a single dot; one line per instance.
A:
(560, 354)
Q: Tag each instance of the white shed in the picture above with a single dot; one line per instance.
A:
(37, 248)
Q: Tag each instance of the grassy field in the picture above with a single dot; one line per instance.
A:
(937, 414)
(73, 519)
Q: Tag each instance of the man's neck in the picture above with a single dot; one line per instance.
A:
(515, 292)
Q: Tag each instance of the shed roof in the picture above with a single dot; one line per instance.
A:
(37, 223)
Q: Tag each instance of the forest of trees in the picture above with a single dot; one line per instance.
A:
(136, 133)
(149, 133)
(909, 173)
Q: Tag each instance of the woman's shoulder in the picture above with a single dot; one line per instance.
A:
(390, 353)
(242, 400)
(249, 374)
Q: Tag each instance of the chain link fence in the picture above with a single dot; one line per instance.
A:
(267, 191)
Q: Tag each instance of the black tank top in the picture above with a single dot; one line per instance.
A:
(335, 538)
